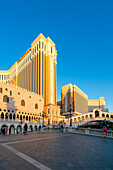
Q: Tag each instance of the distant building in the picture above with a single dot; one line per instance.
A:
(92, 104)
(75, 98)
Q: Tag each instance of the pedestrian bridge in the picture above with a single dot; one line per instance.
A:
(95, 115)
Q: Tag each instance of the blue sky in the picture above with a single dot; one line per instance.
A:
(83, 34)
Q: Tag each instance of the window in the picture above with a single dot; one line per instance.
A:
(36, 106)
(37, 47)
(39, 44)
(10, 93)
(42, 45)
(30, 97)
(6, 99)
(51, 50)
(18, 93)
(33, 51)
(22, 103)
(1, 91)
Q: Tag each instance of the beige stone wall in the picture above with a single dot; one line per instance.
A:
(53, 113)
(92, 104)
(18, 95)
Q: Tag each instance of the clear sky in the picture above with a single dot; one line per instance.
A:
(82, 31)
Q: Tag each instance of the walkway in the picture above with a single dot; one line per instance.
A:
(55, 151)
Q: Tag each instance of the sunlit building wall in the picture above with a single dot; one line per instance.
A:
(72, 95)
(36, 70)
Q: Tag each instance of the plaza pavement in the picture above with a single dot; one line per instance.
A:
(57, 151)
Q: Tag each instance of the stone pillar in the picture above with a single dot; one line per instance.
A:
(4, 117)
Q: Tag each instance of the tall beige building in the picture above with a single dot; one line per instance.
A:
(71, 94)
(36, 70)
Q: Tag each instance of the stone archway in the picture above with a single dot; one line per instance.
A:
(30, 128)
(12, 129)
(96, 113)
(35, 128)
(18, 129)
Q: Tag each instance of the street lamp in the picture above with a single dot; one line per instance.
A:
(43, 115)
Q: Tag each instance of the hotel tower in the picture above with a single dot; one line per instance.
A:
(36, 70)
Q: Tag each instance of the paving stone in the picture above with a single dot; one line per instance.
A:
(61, 151)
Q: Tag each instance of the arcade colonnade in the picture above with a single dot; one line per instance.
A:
(97, 113)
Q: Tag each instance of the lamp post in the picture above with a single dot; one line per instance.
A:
(43, 115)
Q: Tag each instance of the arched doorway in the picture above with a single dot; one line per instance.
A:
(30, 128)
(90, 116)
(82, 118)
(103, 115)
(12, 129)
(18, 129)
(107, 116)
(96, 113)
(2, 115)
(35, 128)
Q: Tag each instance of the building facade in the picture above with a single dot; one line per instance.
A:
(36, 70)
(92, 104)
(72, 95)
(16, 105)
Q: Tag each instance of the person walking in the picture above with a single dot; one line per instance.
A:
(25, 129)
(105, 131)
(62, 128)
(39, 128)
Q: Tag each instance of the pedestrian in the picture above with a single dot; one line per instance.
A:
(25, 129)
(3, 130)
(6, 129)
(105, 131)
(39, 128)
(62, 128)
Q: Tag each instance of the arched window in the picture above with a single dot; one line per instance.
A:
(10, 117)
(6, 99)
(14, 116)
(10, 93)
(2, 115)
(6, 115)
(96, 113)
(1, 90)
(36, 106)
(22, 103)
(26, 117)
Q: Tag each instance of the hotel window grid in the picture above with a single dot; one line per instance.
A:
(51, 50)
(39, 44)
(42, 45)
(35, 49)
